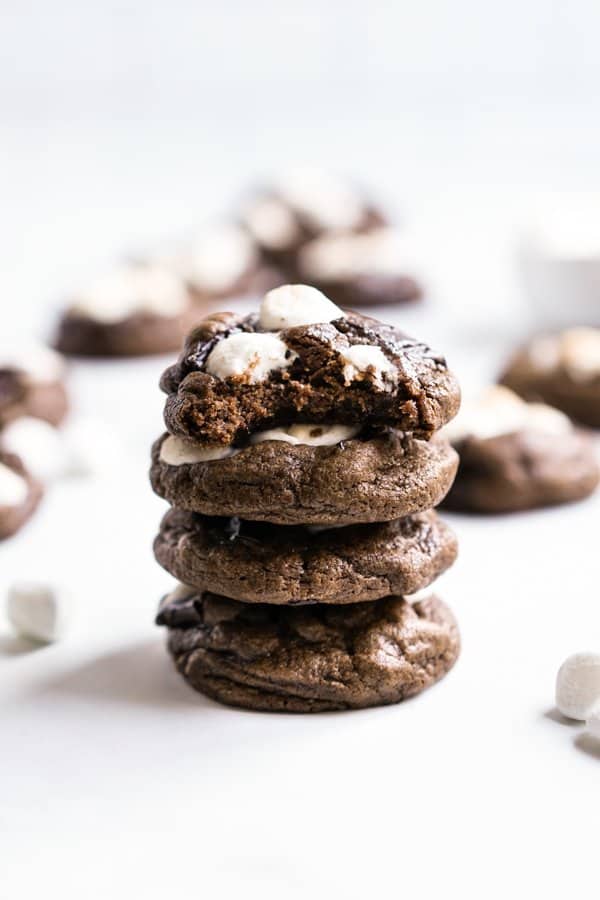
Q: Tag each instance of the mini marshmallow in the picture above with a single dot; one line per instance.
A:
(176, 452)
(578, 685)
(321, 199)
(580, 352)
(218, 257)
(40, 364)
(311, 435)
(498, 411)
(249, 354)
(271, 223)
(132, 289)
(341, 257)
(362, 358)
(39, 611)
(13, 488)
(296, 304)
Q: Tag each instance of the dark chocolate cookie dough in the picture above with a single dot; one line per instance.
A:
(310, 658)
(419, 396)
(379, 479)
(523, 470)
(14, 515)
(270, 564)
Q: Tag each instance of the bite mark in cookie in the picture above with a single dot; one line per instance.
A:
(322, 377)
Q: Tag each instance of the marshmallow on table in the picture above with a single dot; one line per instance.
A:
(592, 722)
(39, 611)
(578, 685)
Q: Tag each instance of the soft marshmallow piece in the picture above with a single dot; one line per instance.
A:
(296, 304)
(360, 359)
(498, 411)
(341, 257)
(271, 223)
(13, 487)
(578, 685)
(176, 452)
(218, 257)
(580, 353)
(39, 611)
(136, 288)
(38, 363)
(323, 200)
(38, 444)
(249, 354)
(311, 435)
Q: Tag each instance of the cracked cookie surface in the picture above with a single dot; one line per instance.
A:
(271, 564)
(373, 480)
(309, 658)
(317, 383)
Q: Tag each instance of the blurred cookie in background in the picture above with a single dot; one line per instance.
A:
(363, 269)
(32, 384)
(223, 262)
(20, 494)
(301, 205)
(516, 456)
(562, 370)
(138, 309)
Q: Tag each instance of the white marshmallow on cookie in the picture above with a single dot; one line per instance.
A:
(271, 223)
(132, 289)
(296, 304)
(342, 257)
(253, 355)
(218, 257)
(309, 435)
(361, 360)
(13, 487)
(498, 411)
(322, 200)
(577, 350)
(174, 451)
(37, 363)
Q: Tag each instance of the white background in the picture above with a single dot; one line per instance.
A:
(126, 123)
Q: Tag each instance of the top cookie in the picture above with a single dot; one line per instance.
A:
(302, 360)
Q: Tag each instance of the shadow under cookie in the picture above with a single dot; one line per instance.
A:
(260, 563)
(311, 658)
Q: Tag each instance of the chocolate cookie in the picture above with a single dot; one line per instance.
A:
(360, 269)
(136, 310)
(309, 658)
(258, 563)
(516, 456)
(563, 370)
(302, 205)
(378, 479)
(19, 495)
(31, 384)
(235, 377)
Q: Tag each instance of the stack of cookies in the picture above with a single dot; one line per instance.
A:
(302, 464)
